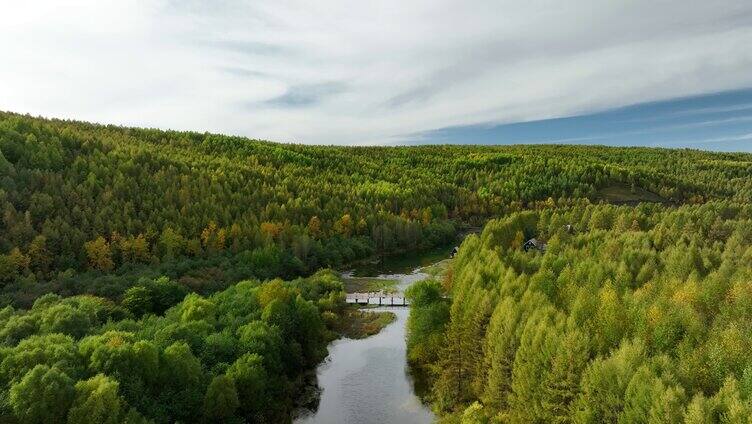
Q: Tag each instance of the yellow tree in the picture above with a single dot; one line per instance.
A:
(314, 227)
(99, 254)
(40, 258)
(344, 225)
(426, 216)
(270, 230)
(213, 237)
(208, 233)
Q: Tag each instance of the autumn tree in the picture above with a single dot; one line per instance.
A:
(99, 254)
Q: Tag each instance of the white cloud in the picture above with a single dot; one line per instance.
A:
(713, 140)
(334, 71)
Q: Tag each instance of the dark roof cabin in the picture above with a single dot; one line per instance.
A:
(534, 244)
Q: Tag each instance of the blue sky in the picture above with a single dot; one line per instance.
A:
(719, 122)
(390, 71)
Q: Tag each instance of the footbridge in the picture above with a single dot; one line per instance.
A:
(377, 299)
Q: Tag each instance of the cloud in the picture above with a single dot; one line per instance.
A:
(731, 143)
(715, 140)
(250, 48)
(335, 72)
(305, 95)
(714, 110)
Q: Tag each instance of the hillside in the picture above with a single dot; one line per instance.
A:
(141, 274)
(90, 208)
(631, 314)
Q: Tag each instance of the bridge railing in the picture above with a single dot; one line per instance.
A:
(378, 299)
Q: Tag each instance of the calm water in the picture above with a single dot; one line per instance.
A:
(367, 381)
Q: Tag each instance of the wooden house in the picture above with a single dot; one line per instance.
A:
(534, 244)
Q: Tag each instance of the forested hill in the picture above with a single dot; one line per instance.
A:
(627, 304)
(81, 202)
(629, 315)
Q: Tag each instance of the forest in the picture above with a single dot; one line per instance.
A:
(629, 315)
(162, 276)
(90, 209)
(238, 355)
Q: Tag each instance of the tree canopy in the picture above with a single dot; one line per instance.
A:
(237, 355)
(630, 314)
(164, 276)
(92, 208)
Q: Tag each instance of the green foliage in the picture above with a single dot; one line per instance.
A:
(219, 358)
(91, 209)
(221, 399)
(251, 379)
(196, 308)
(639, 314)
(138, 300)
(96, 401)
(43, 395)
(429, 314)
(122, 249)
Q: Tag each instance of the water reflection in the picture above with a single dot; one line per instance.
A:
(366, 381)
(401, 266)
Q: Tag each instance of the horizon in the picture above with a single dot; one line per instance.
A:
(379, 74)
(437, 142)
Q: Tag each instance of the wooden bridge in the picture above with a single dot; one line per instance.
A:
(377, 299)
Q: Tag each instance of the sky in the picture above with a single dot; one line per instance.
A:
(639, 72)
(717, 122)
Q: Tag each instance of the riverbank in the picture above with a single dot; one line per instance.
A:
(402, 262)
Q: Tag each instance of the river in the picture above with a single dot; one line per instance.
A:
(367, 380)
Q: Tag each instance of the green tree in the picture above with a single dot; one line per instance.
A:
(604, 384)
(138, 300)
(40, 258)
(196, 308)
(251, 380)
(96, 402)
(221, 398)
(44, 395)
(172, 243)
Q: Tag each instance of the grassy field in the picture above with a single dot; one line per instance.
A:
(368, 284)
(438, 269)
(358, 324)
(623, 194)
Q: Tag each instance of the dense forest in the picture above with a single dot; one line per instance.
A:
(91, 209)
(236, 356)
(162, 276)
(628, 315)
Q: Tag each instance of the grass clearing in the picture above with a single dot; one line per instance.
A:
(359, 324)
(438, 269)
(624, 194)
(369, 284)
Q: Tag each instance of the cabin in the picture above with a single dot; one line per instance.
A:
(534, 244)
(455, 251)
